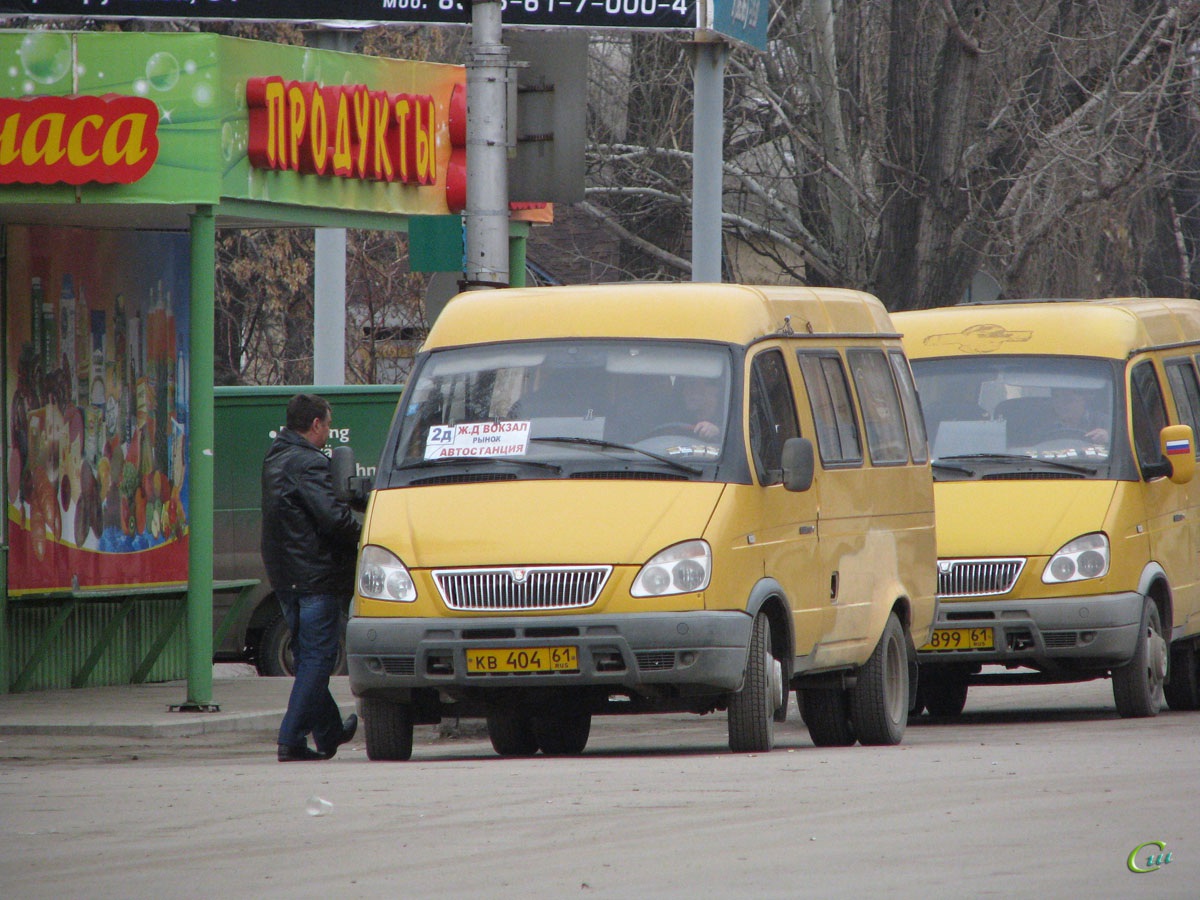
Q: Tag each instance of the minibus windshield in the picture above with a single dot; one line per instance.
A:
(542, 409)
(1009, 410)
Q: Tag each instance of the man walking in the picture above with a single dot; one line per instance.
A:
(309, 540)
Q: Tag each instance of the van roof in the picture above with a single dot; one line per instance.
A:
(1113, 327)
(719, 312)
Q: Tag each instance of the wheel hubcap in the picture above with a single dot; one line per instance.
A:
(775, 667)
(1156, 656)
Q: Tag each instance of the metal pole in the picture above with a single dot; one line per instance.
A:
(708, 117)
(329, 259)
(200, 460)
(487, 151)
(329, 306)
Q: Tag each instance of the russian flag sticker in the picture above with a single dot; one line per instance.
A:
(1176, 447)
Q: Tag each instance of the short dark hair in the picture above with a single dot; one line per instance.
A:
(303, 408)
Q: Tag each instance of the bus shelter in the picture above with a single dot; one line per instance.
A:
(120, 155)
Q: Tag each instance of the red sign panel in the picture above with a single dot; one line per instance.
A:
(111, 139)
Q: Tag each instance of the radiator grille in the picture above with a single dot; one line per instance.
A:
(521, 589)
(977, 577)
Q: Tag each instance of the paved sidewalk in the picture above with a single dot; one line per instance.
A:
(247, 703)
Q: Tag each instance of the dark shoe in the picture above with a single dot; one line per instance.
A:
(349, 729)
(303, 753)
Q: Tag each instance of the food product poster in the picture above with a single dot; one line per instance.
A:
(97, 390)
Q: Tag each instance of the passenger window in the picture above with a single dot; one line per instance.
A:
(833, 410)
(918, 440)
(1182, 378)
(887, 441)
(1149, 414)
(772, 415)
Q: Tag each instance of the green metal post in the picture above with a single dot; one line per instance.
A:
(200, 461)
(518, 237)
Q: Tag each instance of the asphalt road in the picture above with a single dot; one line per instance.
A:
(1035, 791)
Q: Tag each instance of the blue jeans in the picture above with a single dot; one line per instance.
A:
(315, 621)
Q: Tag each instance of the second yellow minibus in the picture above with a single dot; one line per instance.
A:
(1062, 435)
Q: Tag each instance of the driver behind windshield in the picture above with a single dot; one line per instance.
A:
(1074, 417)
(701, 406)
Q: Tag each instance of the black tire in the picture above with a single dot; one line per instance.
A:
(562, 734)
(512, 734)
(1182, 689)
(273, 657)
(826, 713)
(879, 699)
(752, 709)
(944, 695)
(1138, 686)
(389, 729)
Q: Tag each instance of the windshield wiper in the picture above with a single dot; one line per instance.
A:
(609, 445)
(1014, 458)
(447, 460)
(950, 467)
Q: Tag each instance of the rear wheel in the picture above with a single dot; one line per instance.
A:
(389, 729)
(879, 699)
(1182, 690)
(562, 734)
(274, 655)
(826, 712)
(1138, 686)
(752, 709)
(512, 734)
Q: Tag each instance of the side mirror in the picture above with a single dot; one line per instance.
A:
(348, 486)
(1179, 450)
(799, 463)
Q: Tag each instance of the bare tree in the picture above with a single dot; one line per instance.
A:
(903, 147)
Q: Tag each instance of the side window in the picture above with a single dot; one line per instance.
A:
(772, 415)
(918, 440)
(1182, 378)
(1149, 414)
(887, 440)
(833, 410)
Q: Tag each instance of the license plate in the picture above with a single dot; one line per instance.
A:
(528, 659)
(960, 639)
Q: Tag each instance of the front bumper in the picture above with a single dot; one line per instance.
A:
(1100, 629)
(705, 649)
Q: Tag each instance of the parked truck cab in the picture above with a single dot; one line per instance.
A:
(647, 498)
(1068, 524)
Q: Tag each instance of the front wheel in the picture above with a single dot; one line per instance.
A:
(826, 713)
(1138, 686)
(562, 734)
(389, 729)
(943, 695)
(879, 699)
(752, 709)
(511, 733)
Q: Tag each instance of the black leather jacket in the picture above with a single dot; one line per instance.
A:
(309, 537)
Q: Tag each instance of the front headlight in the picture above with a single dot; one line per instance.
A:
(681, 569)
(1078, 560)
(381, 576)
